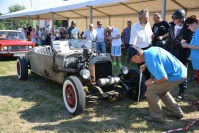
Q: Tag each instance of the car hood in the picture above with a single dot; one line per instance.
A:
(15, 42)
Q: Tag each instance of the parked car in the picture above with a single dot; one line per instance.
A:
(82, 72)
(14, 43)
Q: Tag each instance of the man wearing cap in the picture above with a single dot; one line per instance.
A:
(141, 34)
(168, 72)
(73, 31)
(100, 44)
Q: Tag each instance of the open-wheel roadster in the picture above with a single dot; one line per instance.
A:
(83, 73)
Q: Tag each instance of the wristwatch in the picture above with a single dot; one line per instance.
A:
(152, 82)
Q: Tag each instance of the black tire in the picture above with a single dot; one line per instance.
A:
(74, 95)
(132, 81)
(22, 68)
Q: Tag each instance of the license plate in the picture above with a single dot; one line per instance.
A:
(16, 55)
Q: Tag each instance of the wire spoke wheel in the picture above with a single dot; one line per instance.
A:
(74, 95)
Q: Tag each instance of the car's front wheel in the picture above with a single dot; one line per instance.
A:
(74, 95)
(22, 68)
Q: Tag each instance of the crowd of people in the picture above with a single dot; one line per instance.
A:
(163, 53)
(160, 51)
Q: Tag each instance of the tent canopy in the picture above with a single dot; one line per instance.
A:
(115, 13)
(102, 8)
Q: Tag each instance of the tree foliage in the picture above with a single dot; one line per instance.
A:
(6, 24)
(15, 8)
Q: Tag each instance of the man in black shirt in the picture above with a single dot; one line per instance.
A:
(160, 29)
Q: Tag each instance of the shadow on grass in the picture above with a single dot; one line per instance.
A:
(7, 58)
(100, 116)
(49, 111)
(45, 94)
(113, 118)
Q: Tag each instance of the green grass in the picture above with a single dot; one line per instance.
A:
(36, 105)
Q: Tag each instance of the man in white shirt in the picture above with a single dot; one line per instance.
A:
(141, 34)
(90, 34)
(115, 44)
(100, 44)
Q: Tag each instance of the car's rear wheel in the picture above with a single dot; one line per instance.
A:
(132, 81)
(74, 95)
(22, 68)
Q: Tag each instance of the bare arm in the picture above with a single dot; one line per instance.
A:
(117, 37)
(162, 37)
(67, 36)
(192, 47)
(186, 45)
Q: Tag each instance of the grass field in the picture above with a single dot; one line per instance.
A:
(36, 105)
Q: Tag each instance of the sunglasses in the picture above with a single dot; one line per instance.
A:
(174, 17)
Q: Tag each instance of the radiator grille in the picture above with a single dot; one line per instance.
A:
(103, 69)
(18, 47)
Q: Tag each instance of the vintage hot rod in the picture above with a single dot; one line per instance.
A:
(83, 73)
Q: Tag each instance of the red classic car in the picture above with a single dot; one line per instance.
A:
(14, 43)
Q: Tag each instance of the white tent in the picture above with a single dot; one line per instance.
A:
(110, 12)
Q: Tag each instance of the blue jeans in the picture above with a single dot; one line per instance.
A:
(101, 47)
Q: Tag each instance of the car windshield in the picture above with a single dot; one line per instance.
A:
(73, 44)
(79, 44)
(12, 35)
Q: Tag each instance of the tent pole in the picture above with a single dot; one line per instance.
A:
(90, 14)
(163, 9)
(109, 20)
(52, 20)
(28, 20)
(12, 24)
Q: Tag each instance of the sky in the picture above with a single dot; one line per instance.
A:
(27, 3)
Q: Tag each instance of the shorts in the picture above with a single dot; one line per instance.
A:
(116, 50)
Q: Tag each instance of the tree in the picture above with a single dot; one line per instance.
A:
(15, 8)
(2, 24)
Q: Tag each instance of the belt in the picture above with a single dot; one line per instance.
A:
(146, 47)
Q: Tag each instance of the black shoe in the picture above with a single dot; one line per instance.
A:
(176, 116)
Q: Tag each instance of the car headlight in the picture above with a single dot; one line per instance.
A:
(124, 70)
(29, 47)
(5, 48)
(85, 73)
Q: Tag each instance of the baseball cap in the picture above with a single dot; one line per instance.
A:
(99, 22)
(73, 22)
(131, 52)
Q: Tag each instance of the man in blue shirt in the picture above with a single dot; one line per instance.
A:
(168, 73)
(73, 31)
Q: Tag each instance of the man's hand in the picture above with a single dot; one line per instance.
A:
(160, 38)
(184, 43)
(142, 68)
(149, 82)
